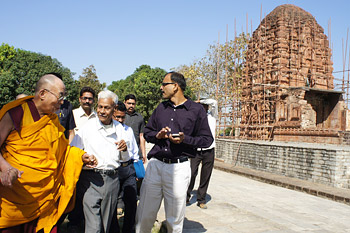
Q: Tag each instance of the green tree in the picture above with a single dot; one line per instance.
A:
(144, 83)
(6, 52)
(20, 70)
(89, 79)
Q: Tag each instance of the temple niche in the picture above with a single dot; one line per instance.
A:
(288, 91)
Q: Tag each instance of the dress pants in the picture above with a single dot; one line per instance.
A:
(128, 193)
(206, 157)
(100, 193)
(168, 181)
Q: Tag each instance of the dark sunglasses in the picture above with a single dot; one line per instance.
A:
(164, 84)
(122, 117)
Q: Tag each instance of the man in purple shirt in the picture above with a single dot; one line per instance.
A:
(177, 127)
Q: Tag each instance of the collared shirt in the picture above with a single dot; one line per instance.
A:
(189, 118)
(133, 150)
(80, 117)
(136, 122)
(98, 140)
(212, 126)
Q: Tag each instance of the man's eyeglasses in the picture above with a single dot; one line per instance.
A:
(164, 84)
(59, 98)
(87, 98)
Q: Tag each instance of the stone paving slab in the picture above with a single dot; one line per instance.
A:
(239, 204)
(332, 193)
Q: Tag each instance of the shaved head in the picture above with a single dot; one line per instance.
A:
(49, 94)
(47, 81)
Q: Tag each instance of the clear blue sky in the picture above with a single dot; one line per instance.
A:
(119, 36)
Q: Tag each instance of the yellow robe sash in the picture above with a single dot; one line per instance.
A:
(51, 170)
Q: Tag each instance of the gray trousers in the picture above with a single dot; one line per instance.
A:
(99, 194)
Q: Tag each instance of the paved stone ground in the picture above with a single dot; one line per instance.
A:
(239, 204)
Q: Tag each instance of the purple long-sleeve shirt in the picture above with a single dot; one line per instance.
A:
(189, 118)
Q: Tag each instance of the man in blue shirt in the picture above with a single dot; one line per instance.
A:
(177, 127)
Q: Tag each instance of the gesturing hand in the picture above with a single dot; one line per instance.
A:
(122, 145)
(89, 160)
(163, 133)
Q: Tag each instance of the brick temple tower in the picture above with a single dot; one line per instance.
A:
(288, 92)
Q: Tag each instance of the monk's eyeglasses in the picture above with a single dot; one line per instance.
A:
(59, 98)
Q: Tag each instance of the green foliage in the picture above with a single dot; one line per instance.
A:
(229, 131)
(6, 52)
(20, 70)
(8, 87)
(89, 79)
(144, 83)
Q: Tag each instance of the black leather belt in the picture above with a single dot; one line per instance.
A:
(108, 172)
(172, 160)
(125, 164)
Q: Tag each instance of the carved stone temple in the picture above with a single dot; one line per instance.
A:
(288, 91)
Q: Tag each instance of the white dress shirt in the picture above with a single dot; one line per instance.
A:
(212, 126)
(80, 117)
(99, 140)
(133, 149)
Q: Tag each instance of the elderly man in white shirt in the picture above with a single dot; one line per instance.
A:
(85, 112)
(99, 187)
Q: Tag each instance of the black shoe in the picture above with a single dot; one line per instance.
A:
(202, 205)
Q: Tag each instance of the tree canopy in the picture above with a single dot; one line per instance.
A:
(21, 69)
(144, 83)
(89, 79)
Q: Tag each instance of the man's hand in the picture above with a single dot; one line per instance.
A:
(177, 140)
(144, 159)
(9, 174)
(122, 145)
(163, 133)
(89, 161)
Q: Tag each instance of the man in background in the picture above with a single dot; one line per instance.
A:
(204, 156)
(136, 122)
(127, 198)
(19, 96)
(65, 115)
(85, 111)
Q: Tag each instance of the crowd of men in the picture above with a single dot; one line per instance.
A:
(57, 161)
